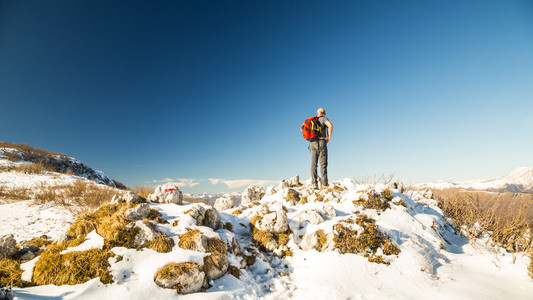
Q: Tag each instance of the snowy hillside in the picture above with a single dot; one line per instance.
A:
(24, 157)
(285, 242)
(518, 181)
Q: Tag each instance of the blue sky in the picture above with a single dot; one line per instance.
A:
(188, 91)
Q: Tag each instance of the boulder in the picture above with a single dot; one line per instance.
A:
(311, 216)
(212, 219)
(283, 185)
(309, 242)
(295, 181)
(251, 194)
(146, 234)
(186, 277)
(139, 212)
(128, 197)
(275, 222)
(330, 210)
(206, 217)
(166, 193)
(292, 196)
(223, 203)
(131, 197)
(216, 263)
(8, 246)
(193, 240)
(270, 190)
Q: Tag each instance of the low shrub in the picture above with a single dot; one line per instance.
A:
(10, 273)
(143, 190)
(366, 241)
(155, 215)
(374, 200)
(73, 267)
(162, 243)
(234, 271)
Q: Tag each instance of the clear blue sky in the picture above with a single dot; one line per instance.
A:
(195, 90)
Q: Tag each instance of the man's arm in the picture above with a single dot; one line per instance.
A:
(330, 130)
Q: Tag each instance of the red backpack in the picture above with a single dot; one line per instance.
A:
(311, 129)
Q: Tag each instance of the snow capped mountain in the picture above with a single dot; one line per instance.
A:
(519, 180)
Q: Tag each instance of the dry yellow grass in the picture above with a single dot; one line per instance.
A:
(143, 190)
(506, 217)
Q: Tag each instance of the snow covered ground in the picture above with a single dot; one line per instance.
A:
(434, 262)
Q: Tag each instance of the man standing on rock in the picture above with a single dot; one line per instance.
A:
(319, 149)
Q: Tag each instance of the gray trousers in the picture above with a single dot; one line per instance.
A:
(319, 150)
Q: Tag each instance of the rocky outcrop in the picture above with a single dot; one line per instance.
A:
(185, 277)
(206, 217)
(147, 232)
(166, 193)
(139, 212)
(223, 203)
(251, 194)
(295, 181)
(311, 216)
(275, 221)
(330, 210)
(8, 246)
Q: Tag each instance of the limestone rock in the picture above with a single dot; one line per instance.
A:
(275, 222)
(166, 193)
(8, 246)
(128, 197)
(193, 240)
(223, 203)
(251, 194)
(270, 190)
(295, 181)
(292, 196)
(186, 277)
(131, 197)
(283, 185)
(309, 242)
(139, 212)
(216, 263)
(206, 217)
(146, 234)
(330, 210)
(311, 216)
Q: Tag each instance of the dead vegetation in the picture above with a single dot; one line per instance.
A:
(143, 190)
(38, 161)
(507, 218)
(374, 200)
(366, 241)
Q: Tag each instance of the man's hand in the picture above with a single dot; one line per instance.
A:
(327, 139)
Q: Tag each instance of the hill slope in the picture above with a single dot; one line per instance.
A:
(348, 241)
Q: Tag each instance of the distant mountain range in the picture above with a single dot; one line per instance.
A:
(519, 180)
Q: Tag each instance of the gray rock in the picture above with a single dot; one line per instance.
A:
(139, 212)
(292, 196)
(166, 193)
(216, 264)
(193, 241)
(146, 234)
(224, 203)
(270, 190)
(330, 210)
(275, 222)
(188, 276)
(310, 216)
(295, 181)
(8, 246)
(309, 242)
(212, 219)
(131, 197)
(251, 194)
(283, 185)
(206, 217)
(28, 255)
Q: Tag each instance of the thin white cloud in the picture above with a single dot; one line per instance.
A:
(232, 184)
(215, 181)
(180, 182)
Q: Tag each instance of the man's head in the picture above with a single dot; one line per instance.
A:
(320, 112)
